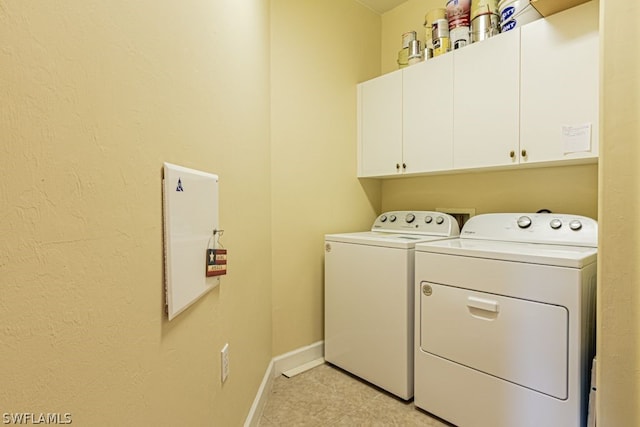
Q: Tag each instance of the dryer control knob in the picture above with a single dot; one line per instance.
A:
(524, 222)
(392, 218)
(410, 218)
(555, 223)
(428, 219)
(439, 220)
(383, 218)
(575, 225)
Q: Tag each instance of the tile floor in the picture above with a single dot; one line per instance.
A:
(329, 396)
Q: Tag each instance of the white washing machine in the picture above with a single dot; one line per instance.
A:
(369, 279)
(505, 321)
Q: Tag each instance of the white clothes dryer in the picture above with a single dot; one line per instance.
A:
(369, 278)
(505, 321)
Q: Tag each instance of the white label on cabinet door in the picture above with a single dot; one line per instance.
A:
(577, 138)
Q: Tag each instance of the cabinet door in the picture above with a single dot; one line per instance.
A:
(486, 102)
(560, 86)
(380, 125)
(427, 128)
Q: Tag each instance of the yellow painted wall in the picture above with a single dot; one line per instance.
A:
(618, 267)
(320, 50)
(95, 96)
(559, 189)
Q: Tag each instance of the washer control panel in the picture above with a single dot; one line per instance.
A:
(417, 222)
(559, 229)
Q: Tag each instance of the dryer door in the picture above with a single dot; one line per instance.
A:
(520, 341)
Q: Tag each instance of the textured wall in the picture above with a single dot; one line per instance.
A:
(95, 96)
(320, 50)
(619, 271)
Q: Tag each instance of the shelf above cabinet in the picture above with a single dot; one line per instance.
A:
(549, 7)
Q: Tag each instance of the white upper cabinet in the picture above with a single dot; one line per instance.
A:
(527, 96)
(560, 86)
(427, 105)
(486, 102)
(406, 121)
(380, 125)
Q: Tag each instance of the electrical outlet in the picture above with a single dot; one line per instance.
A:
(224, 362)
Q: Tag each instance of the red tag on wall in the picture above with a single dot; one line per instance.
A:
(216, 262)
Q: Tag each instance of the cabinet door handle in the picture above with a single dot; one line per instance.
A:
(524, 153)
(397, 166)
(512, 154)
(404, 166)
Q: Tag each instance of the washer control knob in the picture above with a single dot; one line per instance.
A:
(575, 225)
(410, 218)
(428, 219)
(555, 223)
(439, 220)
(392, 218)
(524, 222)
(383, 218)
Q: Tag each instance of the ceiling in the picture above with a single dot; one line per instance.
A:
(381, 6)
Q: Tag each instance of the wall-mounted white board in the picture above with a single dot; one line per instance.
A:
(190, 203)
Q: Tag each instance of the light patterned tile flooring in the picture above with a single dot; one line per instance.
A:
(329, 396)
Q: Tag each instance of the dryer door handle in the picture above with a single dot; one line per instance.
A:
(483, 304)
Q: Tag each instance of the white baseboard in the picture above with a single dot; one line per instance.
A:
(293, 363)
(298, 357)
(261, 397)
